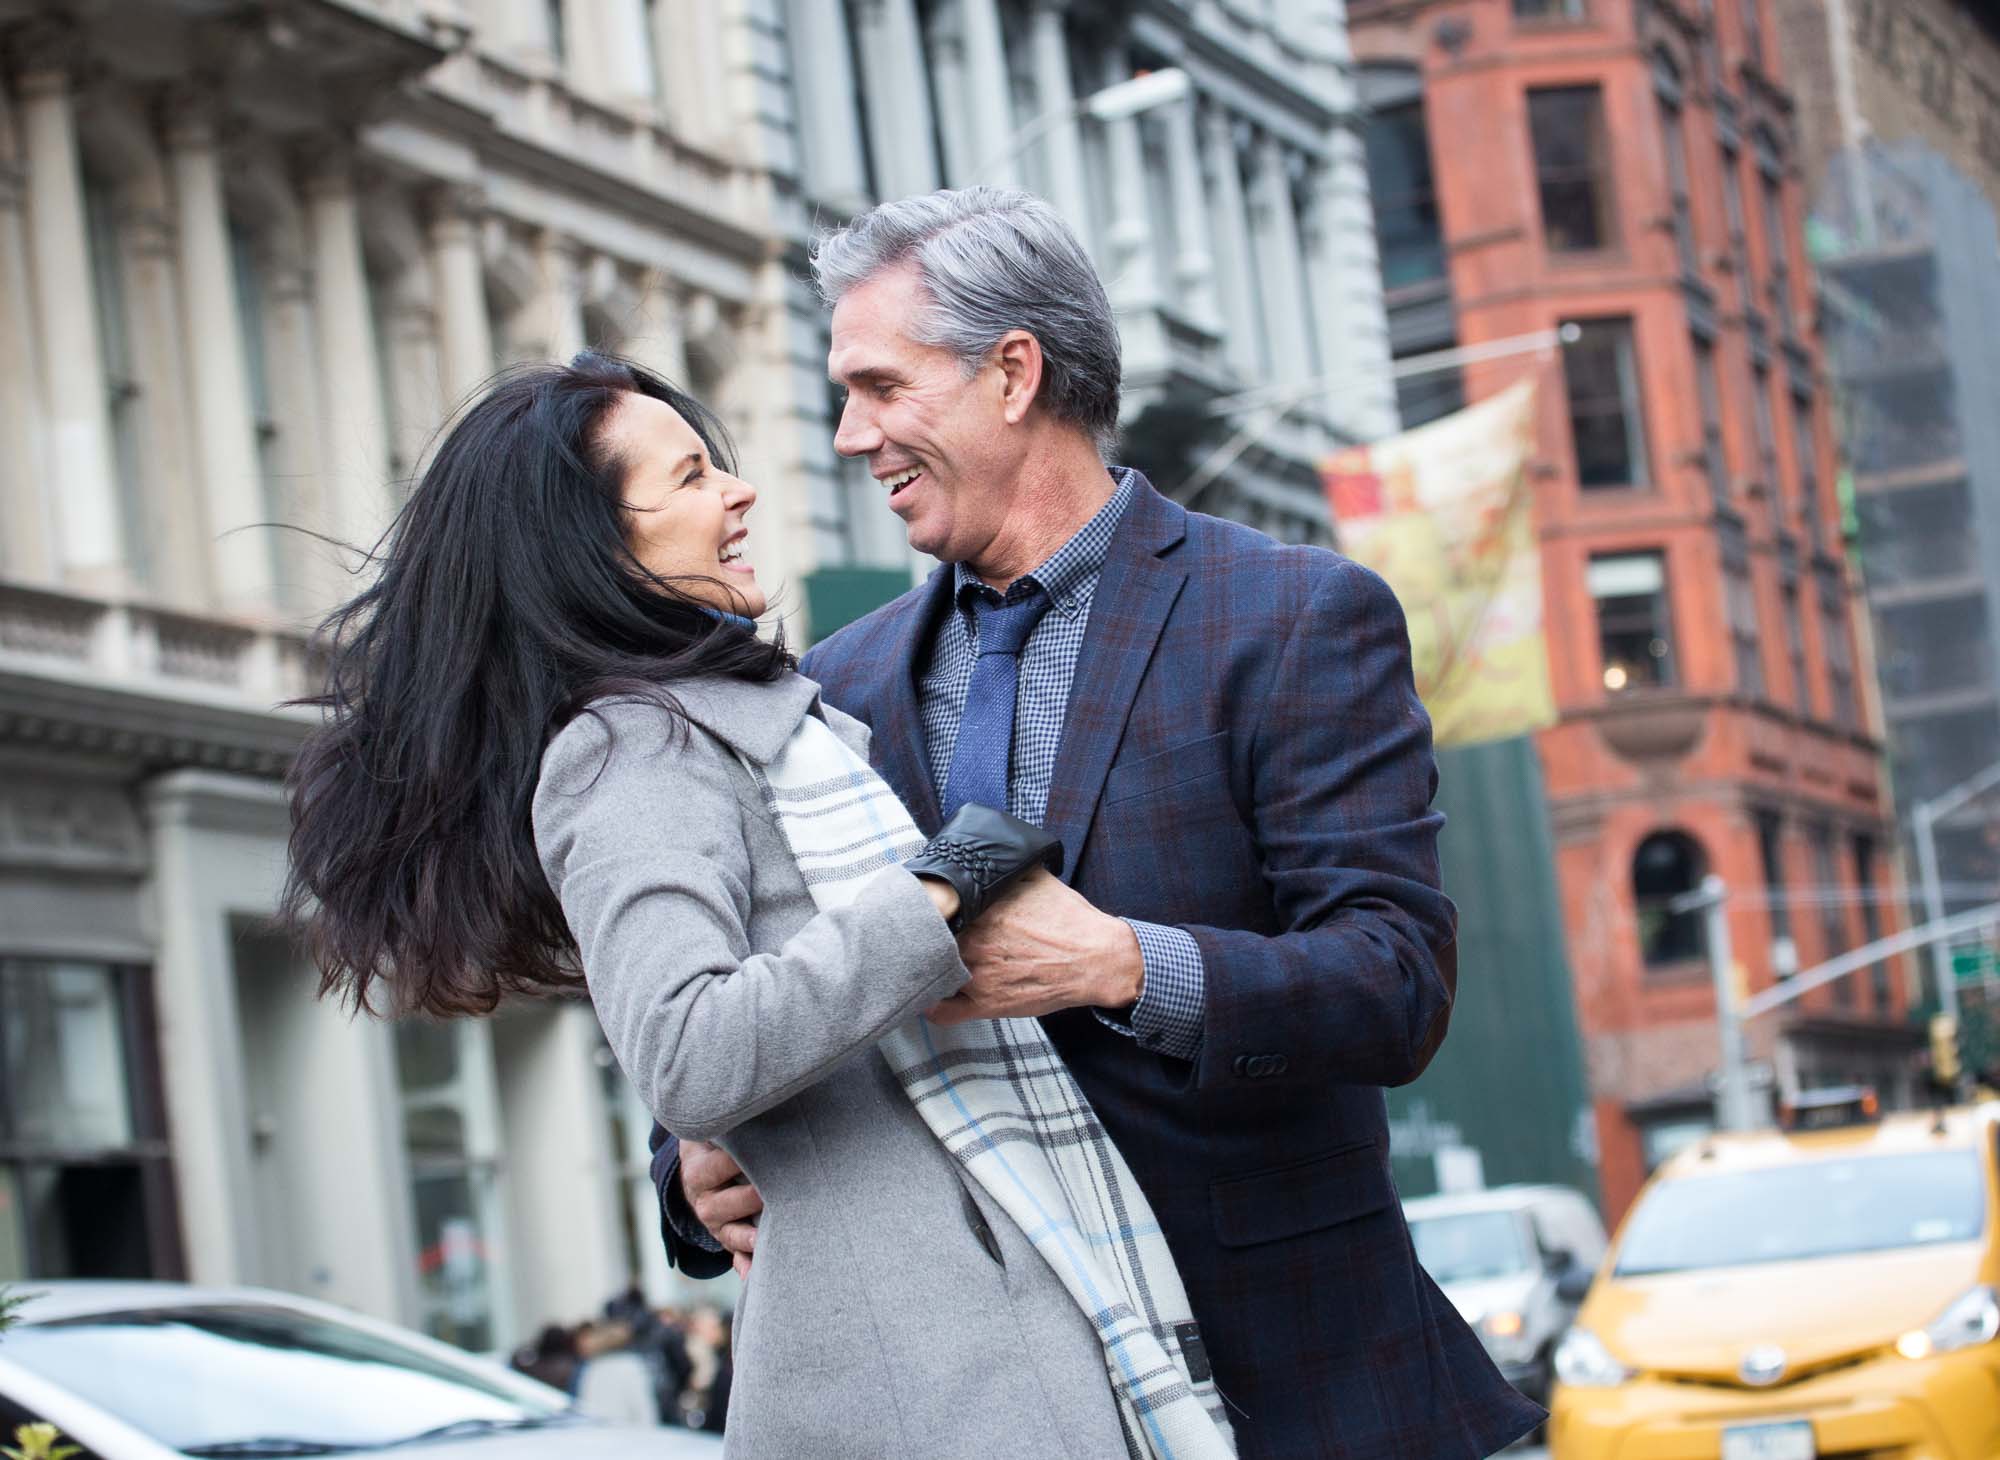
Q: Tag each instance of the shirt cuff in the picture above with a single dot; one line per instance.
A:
(1167, 1018)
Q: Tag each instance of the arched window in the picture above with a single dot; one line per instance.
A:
(1668, 864)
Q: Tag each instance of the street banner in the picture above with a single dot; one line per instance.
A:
(1445, 513)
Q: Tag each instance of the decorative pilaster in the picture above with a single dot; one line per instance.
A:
(1353, 324)
(465, 338)
(28, 529)
(829, 141)
(1280, 272)
(897, 96)
(1062, 145)
(1234, 261)
(989, 99)
(90, 527)
(1194, 268)
(1133, 272)
(218, 377)
(354, 437)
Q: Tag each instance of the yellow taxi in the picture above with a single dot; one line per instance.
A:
(1814, 1294)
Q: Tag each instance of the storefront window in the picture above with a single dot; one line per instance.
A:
(451, 1131)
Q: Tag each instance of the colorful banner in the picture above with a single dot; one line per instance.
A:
(1446, 514)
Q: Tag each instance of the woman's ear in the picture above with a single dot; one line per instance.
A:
(1019, 356)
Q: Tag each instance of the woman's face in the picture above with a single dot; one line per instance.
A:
(684, 514)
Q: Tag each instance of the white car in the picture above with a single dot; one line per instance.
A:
(1514, 1261)
(159, 1371)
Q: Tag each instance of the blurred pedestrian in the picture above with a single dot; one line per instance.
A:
(550, 1357)
(615, 1382)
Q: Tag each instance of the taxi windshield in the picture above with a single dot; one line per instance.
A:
(1469, 1246)
(1811, 1209)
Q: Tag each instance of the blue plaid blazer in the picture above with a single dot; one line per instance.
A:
(1244, 756)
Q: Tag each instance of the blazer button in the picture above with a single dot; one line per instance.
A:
(1241, 1064)
(1279, 1064)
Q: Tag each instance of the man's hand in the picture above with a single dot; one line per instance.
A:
(1043, 947)
(722, 1199)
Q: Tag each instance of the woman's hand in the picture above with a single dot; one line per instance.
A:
(943, 895)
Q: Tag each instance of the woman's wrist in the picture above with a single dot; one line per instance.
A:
(943, 896)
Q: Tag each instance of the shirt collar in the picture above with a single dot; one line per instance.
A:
(1074, 565)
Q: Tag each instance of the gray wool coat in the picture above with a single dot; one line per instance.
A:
(892, 1310)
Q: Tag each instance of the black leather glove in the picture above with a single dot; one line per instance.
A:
(979, 852)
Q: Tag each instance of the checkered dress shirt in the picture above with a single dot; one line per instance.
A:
(1168, 1015)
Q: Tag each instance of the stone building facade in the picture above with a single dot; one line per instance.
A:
(1633, 170)
(249, 256)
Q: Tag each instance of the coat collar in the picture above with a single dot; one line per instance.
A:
(754, 717)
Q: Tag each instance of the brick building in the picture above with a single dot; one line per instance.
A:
(1632, 169)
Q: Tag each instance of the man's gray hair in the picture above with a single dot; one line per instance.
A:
(993, 260)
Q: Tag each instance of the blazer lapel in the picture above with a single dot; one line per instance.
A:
(1134, 596)
(896, 719)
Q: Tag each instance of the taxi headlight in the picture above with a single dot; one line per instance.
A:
(1503, 1323)
(1972, 1318)
(1584, 1362)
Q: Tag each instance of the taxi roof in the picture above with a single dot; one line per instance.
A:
(1964, 1127)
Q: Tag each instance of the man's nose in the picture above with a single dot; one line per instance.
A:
(856, 434)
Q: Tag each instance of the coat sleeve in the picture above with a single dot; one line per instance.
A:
(641, 835)
(1358, 984)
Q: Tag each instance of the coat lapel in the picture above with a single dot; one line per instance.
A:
(1134, 596)
(896, 719)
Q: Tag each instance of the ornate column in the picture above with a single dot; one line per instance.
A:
(658, 340)
(829, 138)
(1353, 324)
(1194, 269)
(898, 100)
(218, 378)
(90, 527)
(1062, 146)
(27, 503)
(620, 51)
(556, 317)
(944, 48)
(465, 338)
(1280, 273)
(356, 504)
(1241, 326)
(969, 60)
(310, 573)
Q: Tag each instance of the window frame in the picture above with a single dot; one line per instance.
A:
(1597, 171)
(1660, 619)
(1624, 328)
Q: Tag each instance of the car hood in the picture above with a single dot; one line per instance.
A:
(1700, 1324)
(573, 1442)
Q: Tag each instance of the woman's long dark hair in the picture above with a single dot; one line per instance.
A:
(506, 599)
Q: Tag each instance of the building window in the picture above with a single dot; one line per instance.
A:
(1572, 167)
(1739, 244)
(451, 1129)
(1871, 915)
(1767, 427)
(1771, 851)
(1839, 652)
(1407, 228)
(1743, 633)
(1421, 399)
(1795, 643)
(1674, 134)
(1832, 911)
(1550, 9)
(1805, 448)
(1714, 457)
(1607, 424)
(1778, 242)
(1634, 631)
(1668, 865)
(84, 1189)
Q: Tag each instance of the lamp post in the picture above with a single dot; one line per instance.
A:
(1733, 1080)
(1924, 817)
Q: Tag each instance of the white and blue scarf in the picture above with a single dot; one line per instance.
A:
(1000, 1098)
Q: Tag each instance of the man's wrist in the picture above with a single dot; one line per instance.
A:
(1121, 974)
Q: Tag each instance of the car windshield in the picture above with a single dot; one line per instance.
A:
(252, 1379)
(1470, 1246)
(1812, 1209)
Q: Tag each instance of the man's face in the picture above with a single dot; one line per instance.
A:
(935, 437)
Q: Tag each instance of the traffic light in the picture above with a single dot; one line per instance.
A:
(1944, 1050)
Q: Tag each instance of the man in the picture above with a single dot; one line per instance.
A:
(1249, 940)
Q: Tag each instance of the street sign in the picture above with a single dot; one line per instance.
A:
(1974, 963)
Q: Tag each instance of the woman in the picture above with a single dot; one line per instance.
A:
(554, 740)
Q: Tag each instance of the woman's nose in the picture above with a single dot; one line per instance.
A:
(742, 496)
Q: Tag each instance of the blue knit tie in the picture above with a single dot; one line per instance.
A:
(985, 745)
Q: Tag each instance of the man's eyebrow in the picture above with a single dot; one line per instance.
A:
(865, 375)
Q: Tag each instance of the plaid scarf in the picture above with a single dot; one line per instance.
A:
(1000, 1098)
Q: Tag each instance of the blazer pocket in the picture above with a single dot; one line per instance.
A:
(1192, 760)
(1320, 1191)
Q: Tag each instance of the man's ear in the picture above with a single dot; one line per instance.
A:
(1019, 356)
